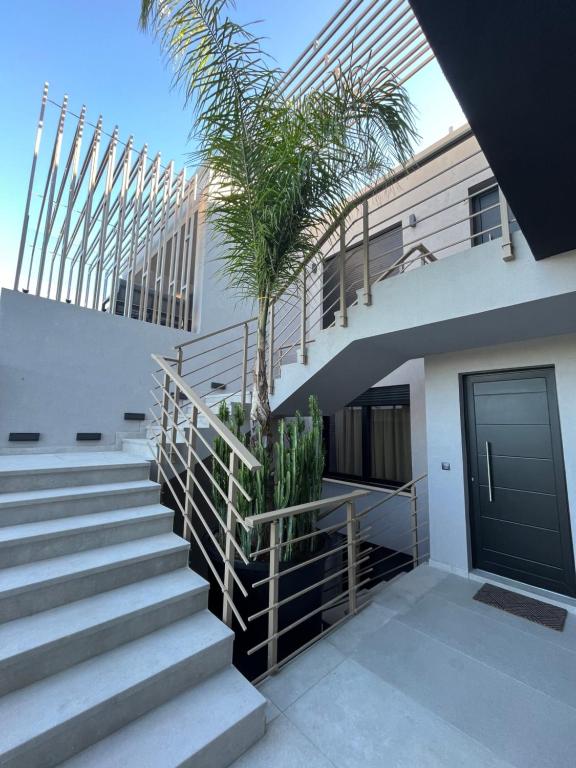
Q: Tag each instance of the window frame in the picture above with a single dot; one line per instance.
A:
(365, 478)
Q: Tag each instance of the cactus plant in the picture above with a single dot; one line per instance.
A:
(298, 465)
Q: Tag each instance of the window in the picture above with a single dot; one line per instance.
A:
(369, 439)
(384, 249)
(485, 213)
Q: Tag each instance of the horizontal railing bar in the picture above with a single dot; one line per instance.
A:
(298, 566)
(304, 591)
(276, 667)
(411, 561)
(302, 619)
(234, 444)
(397, 492)
(215, 333)
(279, 514)
(197, 482)
(194, 533)
(318, 532)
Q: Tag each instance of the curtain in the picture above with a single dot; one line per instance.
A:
(348, 441)
(391, 457)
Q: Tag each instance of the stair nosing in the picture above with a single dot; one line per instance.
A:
(92, 626)
(84, 524)
(99, 667)
(74, 492)
(179, 545)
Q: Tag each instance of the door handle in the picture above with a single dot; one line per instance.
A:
(489, 472)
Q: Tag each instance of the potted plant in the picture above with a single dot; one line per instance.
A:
(296, 472)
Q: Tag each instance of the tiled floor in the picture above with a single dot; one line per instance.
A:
(425, 677)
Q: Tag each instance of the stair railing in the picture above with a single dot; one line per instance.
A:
(348, 562)
(179, 463)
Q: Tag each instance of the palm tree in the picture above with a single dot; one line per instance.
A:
(285, 166)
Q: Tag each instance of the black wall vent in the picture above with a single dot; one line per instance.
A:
(217, 385)
(134, 417)
(397, 395)
(88, 435)
(21, 437)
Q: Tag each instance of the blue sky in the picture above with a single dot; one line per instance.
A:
(96, 53)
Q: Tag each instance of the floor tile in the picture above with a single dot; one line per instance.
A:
(522, 655)
(523, 726)
(353, 631)
(301, 674)
(461, 592)
(283, 746)
(359, 721)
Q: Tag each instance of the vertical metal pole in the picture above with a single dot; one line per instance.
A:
(135, 236)
(271, 341)
(273, 591)
(88, 211)
(177, 246)
(351, 532)
(366, 254)
(244, 366)
(71, 198)
(176, 404)
(507, 251)
(120, 227)
(104, 223)
(163, 444)
(49, 211)
(190, 254)
(303, 326)
(414, 524)
(230, 538)
(190, 471)
(147, 254)
(161, 254)
(39, 130)
(342, 273)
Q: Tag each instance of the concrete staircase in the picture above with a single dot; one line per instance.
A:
(108, 654)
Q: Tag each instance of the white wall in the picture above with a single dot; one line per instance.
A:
(66, 369)
(447, 489)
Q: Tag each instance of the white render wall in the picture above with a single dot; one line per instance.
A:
(65, 369)
(450, 545)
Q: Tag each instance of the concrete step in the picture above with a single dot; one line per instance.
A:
(39, 586)
(32, 472)
(139, 446)
(43, 644)
(49, 503)
(54, 719)
(29, 542)
(208, 726)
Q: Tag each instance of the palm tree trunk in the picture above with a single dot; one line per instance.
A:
(260, 411)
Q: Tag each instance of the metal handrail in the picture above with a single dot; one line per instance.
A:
(221, 429)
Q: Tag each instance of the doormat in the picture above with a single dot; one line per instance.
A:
(525, 607)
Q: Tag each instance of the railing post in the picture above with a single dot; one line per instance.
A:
(342, 273)
(190, 470)
(351, 533)
(507, 252)
(366, 254)
(163, 443)
(228, 596)
(176, 403)
(271, 340)
(244, 366)
(414, 524)
(273, 590)
(39, 130)
(303, 350)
